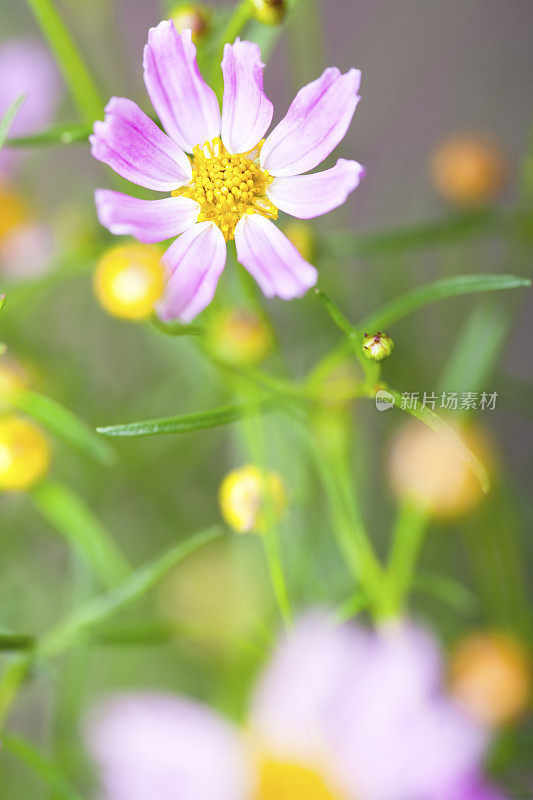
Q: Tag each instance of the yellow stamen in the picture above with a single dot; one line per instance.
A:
(280, 780)
(228, 186)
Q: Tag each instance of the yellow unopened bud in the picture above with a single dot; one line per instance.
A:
(377, 346)
(271, 12)
(425, 469)
(194, 16)
(249, 496)
(490, 676)
(469, 169)
(13, 379)
(240, 337)
(303, 238)
(129, 280)
(24, 454)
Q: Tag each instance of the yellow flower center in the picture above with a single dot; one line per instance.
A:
(129, 280)
(228, 186)
(280, 780)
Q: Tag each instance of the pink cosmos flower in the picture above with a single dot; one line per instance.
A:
(341, 713)
(26, 68)
(235, 181)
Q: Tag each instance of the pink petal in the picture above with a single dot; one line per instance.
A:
(131, 144)
(307, 196)
(157, 747)
(274, 262)
(194, 264)
(316, 121)
(246, 110)
(146, 220)
(184, 103)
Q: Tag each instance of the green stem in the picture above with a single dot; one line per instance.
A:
(13, 676)
(77, 77)
(407, 542)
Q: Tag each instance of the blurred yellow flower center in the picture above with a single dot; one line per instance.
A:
(13, 210)
(227, 186)
(280, 780)
(129, 280)
(249, 497)
(24, 454)
(240, 337)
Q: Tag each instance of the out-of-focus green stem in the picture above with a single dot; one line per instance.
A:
(13, 676)
(77, 77)
(408, 537)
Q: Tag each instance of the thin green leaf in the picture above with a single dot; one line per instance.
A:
(15, 641)
(65, 425)
(7, 119)
(77, 77)
(476, 350)
(440, 290)
(86, 618)
(69, 515)
(183, 423)
(56, 135)
(459, 227)
(447, 433)
(50, 775)
(457, 596)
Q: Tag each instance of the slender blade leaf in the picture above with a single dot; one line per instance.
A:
(439, 290)
(183, 423)
(50, 775)
(72, 133)
(7, 119)
(69, 515)
(65, 425)
(92, 613)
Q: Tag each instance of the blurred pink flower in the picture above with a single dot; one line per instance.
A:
(340, 713)
(27, 68)
(236, 181)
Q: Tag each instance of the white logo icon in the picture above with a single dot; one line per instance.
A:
(384, 400)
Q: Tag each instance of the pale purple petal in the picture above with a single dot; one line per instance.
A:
(307, 196)
(147, 220)
(194, 263)
(184, 103)
(132, 144)
(157, 747)
(474, 788)
(272, 259)
(316, 121)
(26, 68)
(246, 110)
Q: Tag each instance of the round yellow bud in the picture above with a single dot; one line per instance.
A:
(303, 238)
(248, 496)
(218, 598)
(424, 468)
(490, 676)
(24, 454)
(13, 379)
(239, 337)
(469, 169)
(129, 280)
(194, 16)
(377, 346)
(271, 12)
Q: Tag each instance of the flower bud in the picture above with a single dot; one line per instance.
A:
(13, 379)
(425, 469)
(249, 496)
(129, 280)
(490, 676)
(271, 12)
(303, 238)
(239, 337)
(194, 16)
(24, 453)
(377, 346)
(469, 169)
